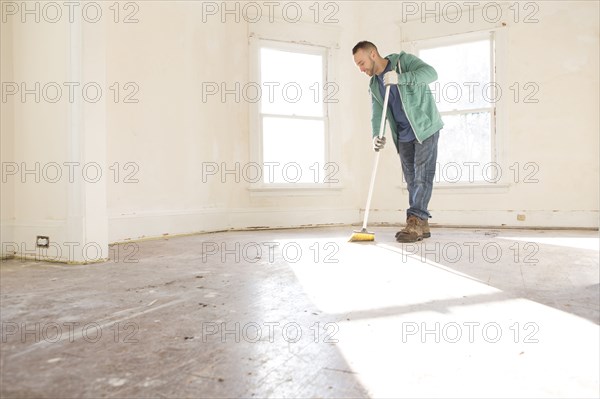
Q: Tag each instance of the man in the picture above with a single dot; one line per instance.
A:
(414, 121)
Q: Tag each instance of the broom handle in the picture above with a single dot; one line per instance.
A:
(374, 173)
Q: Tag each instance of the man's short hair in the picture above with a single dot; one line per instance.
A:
(364, 45)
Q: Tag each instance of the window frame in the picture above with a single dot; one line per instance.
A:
(498, 110)
(256, 116)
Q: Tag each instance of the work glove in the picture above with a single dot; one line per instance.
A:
(378, 143)
(390, 78)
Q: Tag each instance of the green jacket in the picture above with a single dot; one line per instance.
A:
(417, 100)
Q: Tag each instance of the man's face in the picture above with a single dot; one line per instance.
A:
(365, 61)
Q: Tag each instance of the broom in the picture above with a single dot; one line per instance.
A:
(363, 234)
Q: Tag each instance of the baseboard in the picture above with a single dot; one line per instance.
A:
(6, 235)
(20, 242)
(498, 218)
(163, 223)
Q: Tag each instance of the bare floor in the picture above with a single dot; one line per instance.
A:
(304, 313)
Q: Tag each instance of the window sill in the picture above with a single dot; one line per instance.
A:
(474, 188)
(294, 190)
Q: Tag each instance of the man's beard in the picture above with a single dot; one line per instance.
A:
(372, 69)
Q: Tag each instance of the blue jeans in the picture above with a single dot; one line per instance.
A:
(418, 165)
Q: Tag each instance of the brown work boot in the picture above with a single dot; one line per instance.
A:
(413, 231)
(426, 231)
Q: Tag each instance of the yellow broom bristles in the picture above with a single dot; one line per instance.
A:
(362, 235)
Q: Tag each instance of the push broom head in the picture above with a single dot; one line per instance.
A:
(362, 235)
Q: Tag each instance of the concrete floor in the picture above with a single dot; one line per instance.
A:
(303, 313)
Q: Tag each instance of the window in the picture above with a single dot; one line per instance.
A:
(292, 120)
(465, 93)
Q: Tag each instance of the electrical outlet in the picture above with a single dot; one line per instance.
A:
(42, 241)
(521, 217)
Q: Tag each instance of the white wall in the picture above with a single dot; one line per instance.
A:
(32, 132)
(172, 133)
(52, 138)
(7, 209)
(166, 137)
